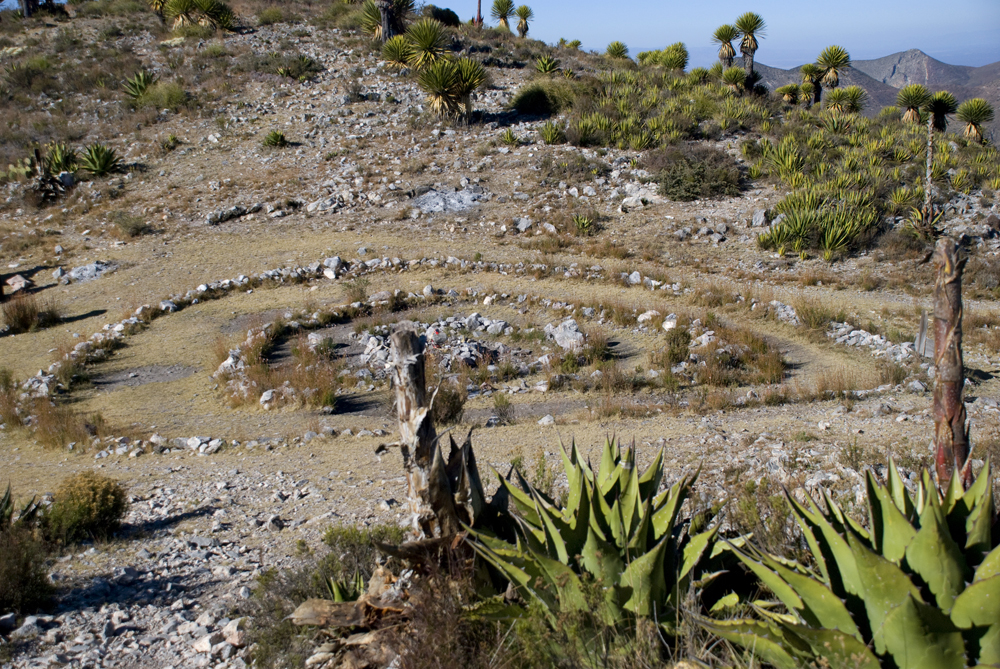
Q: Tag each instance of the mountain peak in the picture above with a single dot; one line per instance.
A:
(913, 66)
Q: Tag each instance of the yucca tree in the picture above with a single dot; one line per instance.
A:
(911, 99)
(724, 36)
(735, 78)
(974, 113)
(832, 61)
(524, 14)
(940, 105)
(470, 77)
(502, 10)
(813, 75)
(751, 27)
(857, 99)
(439, 81)
(789, 93)
(428, 42)
(617, 50)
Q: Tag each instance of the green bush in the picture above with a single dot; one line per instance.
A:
(543, 98)
(270, 16)
(442, 15)
(86, 506)
(163, 95)
(693, 172)
(275, 139)
(24, 583)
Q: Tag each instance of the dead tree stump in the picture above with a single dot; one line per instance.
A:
(951, 431)
(429, 493)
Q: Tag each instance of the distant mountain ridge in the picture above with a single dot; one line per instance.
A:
(883, 77)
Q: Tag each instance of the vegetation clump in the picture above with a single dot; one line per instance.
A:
(86, 506)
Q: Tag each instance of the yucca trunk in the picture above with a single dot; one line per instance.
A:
(951, 433)
(386, 8)
(748, 66)
(28, 7)
(930, 159)
(479, 14)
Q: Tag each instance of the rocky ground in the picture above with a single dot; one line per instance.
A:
(475, 239)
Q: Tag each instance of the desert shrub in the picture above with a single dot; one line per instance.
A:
(270, 16)
(85, 506)
(449, 404)
(353, 549)
(442, 15)
(23, 313)
(163, 95)
(129, 225)
(356, 290)
(692, 172)
(24, 583)
(503, 409)
(545, 97)
(674, 351)
(100, 160)
(275, 140)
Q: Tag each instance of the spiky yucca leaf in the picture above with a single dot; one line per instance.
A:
(615, 528)
(275, 140)
(617, 50)
(429, 42)
(974, 113)
(397, 51)
(471, 76)
(750, 26)
(551, 133)
(371, 18)
(912, 98)
(501, 11)
(918, 587)
(789, 93)
(439, 81)
(524, 14)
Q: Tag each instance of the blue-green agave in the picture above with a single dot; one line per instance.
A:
(919, 588)
(616, 529)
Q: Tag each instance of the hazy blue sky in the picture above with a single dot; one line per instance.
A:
(960, 32)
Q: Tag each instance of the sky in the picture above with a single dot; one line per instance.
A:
(959, 32)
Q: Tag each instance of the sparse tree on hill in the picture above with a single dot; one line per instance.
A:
(912, 98)
(832, 61)
(502, 10)
(525, 14)
(751, 27)
(724, 36)
(938, 108)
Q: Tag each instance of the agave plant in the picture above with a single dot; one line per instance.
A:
(524, 14)
(99, 160)
(724, 36)
(428, 41)
(832, 61)
(137, 86)
(920, 587)
(439, 81)
(552, 133)
(510, 139)
(974, 113)
(397, 51)
(615, 528)
(617, 50)
(25, 517)
(912, 99)
(502, 11)
(60, 158)
(940, 105)
(546, 65)
(275, 140)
